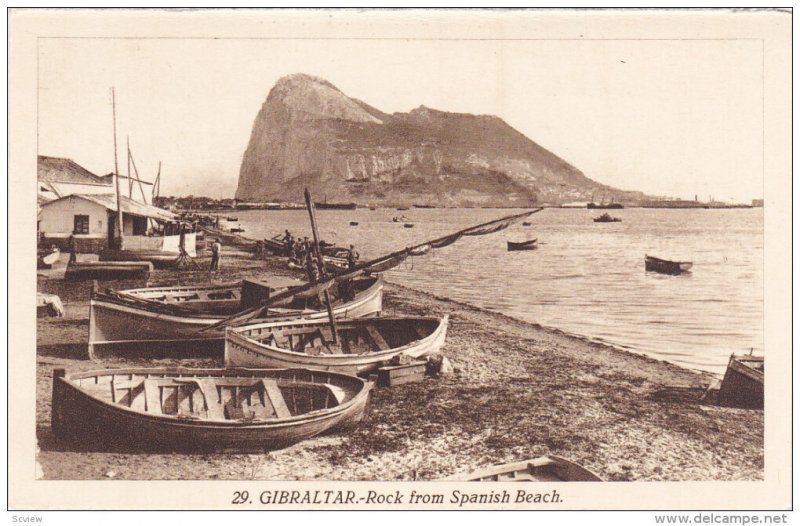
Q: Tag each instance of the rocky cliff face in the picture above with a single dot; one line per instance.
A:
(310, 134)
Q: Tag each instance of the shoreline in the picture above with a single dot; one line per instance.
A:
(519, 390)
(555, 330)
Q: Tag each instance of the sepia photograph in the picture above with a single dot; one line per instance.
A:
(308, 249)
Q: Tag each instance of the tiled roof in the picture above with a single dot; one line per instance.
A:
(59, 170)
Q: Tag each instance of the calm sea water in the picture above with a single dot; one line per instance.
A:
(585, 278)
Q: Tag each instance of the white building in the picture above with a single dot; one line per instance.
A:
(59, 177)
(90, 218)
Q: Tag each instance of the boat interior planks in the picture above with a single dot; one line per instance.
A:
(362, 345)
(202, 409)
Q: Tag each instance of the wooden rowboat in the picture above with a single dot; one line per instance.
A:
(743, 384)
(172, 315)
(159, 258)
(665, 266)
(548, 468)
(202, 409)
(522, 245)
(364, 344)
(46, 259)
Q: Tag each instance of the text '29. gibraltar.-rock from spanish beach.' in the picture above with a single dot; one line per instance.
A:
(310, 134)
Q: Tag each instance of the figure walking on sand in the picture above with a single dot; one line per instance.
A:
(216, 249)
(73, 251)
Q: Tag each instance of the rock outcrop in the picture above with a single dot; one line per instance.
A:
(310, 134)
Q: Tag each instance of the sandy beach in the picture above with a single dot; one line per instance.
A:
(519, 390)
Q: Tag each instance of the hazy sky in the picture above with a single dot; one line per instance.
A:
(674, 118)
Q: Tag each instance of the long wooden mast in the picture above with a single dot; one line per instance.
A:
(118, 240)
(320, 265)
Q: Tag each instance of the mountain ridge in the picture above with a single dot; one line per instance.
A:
(308, 133)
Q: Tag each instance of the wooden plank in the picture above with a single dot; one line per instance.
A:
(152, 396)
(209, 389)
(377, 337)
(273, 393)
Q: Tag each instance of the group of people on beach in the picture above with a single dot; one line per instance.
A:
(301, 253)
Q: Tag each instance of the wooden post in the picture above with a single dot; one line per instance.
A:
(130, 181)
(320, 265)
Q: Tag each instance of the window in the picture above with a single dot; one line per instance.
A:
(139, 226)
(81, 225)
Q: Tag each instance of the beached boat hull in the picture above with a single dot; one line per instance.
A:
(663, 266)
(203, 409)
(245, 347)
(743, 384)
(127, 327)
(548, 468)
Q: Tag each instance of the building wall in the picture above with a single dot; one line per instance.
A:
(57, 219)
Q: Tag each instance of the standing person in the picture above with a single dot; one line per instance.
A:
(352, 257)
(289, 240)
(73, 256)
(216, 249)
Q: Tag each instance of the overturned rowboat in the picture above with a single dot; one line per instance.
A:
(203, 409)
(107, 270)
(363, 345)
(665, 266)
(548, 468)
(163, 317)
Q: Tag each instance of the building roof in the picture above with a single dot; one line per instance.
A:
(129, 206)
(109, 179)
(59, 170)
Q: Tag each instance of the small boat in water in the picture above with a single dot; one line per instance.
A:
(171, 315)
(363, 344)
(548, 468)
(522, 245)
(203, 409)
(605, 206)
(665, 266)
(606, 218)
(743, 384)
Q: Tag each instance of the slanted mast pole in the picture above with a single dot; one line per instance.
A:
(118, 221)
(320, 265)
(130, 181)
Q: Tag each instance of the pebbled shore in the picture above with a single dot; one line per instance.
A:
(519, 391)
